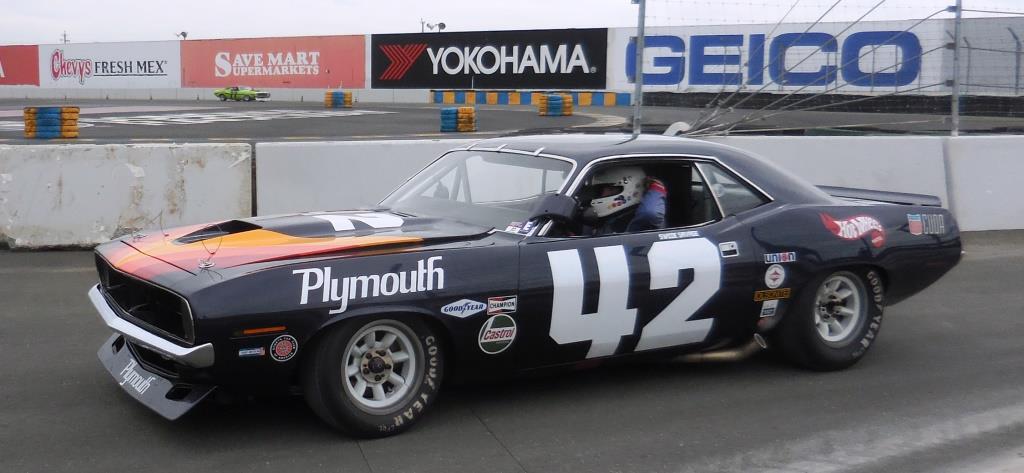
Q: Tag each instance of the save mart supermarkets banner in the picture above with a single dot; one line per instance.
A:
(556, 59)
(300, 62)
(142, 65)
(19, 65)
(867, 58)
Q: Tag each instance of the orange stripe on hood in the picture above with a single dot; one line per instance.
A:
(253, 246)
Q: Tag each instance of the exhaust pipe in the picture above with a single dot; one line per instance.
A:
(742, 352)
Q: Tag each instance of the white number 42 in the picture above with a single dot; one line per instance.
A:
(613, 318)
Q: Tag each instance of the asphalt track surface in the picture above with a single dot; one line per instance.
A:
(127, 121)
(941, 391)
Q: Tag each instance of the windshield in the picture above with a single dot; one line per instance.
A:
(480, 187)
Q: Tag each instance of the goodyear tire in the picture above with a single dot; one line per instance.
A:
(374, 377)
(834, 321)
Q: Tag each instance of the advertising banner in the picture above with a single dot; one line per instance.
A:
(300, 62)
(869, 57)
(143, 65)
(19, 65)
(557, 59)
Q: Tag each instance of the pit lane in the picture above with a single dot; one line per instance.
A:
(940, 391)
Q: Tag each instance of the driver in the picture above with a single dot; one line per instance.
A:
(624, 199)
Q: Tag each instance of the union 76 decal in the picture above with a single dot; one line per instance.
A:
(614, 319)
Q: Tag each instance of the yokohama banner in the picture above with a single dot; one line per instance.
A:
(301, 62)
(562, 59)
(145, 65)
(19, 65)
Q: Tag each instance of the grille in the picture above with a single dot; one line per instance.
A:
(154, 308)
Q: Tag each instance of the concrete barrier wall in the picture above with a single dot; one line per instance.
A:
(300, 177)
(81, 195)
(897, 164)
(987, 181)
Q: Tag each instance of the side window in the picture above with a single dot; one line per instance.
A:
(732, 195)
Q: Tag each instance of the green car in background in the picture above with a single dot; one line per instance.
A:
(241, 93)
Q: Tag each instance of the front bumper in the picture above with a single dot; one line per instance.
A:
(165, 397)
(199, 356)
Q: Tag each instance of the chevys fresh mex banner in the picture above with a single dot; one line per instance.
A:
(301, 62)
(144, 65)
(563, 59)
(19, 65)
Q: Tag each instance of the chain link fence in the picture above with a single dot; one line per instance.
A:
(834, 67)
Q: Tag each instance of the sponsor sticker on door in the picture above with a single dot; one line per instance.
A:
(497, 334)
(501, 305)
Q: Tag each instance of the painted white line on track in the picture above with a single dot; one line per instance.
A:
(602, 120)
(859, 449)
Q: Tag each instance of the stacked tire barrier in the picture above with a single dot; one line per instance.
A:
(337, 99)
(47, 123)
(555, 105)
(461, 119)
(527, 97)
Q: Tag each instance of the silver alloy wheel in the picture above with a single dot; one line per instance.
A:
(838, 307)
(380, 366)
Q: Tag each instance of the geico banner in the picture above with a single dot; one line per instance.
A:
(19, 65)
(564, 59)
(867, 57)
(143, 65)
(304, 62)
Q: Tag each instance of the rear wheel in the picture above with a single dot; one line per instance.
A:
(833, 323)
(374, 377)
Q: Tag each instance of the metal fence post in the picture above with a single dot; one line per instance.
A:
(638, 70)
(1016, 63)
(957, 35)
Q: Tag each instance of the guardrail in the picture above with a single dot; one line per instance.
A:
(80, 195)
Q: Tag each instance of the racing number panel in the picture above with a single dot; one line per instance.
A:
(591, 297)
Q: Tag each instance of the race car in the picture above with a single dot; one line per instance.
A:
(493, 262)
(241, 93)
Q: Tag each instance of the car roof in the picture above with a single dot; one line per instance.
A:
(778, 183)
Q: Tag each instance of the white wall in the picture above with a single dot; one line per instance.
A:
(299, 177)
(987, 181)
(60, 195)
(898, 164)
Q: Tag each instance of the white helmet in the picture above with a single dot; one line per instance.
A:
(616, 189)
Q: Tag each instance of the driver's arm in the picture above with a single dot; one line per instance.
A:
(650, 214)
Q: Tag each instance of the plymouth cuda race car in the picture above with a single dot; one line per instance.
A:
(241, 93)
(478, 267)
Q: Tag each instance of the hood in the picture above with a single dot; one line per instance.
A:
(239, 242)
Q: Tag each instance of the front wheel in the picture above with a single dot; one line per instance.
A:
(834, 321)
(249, 98)
(374, 377)
(222, 98)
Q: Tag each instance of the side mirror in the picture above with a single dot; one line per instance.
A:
(557, 207)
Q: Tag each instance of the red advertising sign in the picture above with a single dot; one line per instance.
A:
(303, 62)
(19, 65)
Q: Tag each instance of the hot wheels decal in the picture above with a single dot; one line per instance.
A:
(772, 294)
(854, 228)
